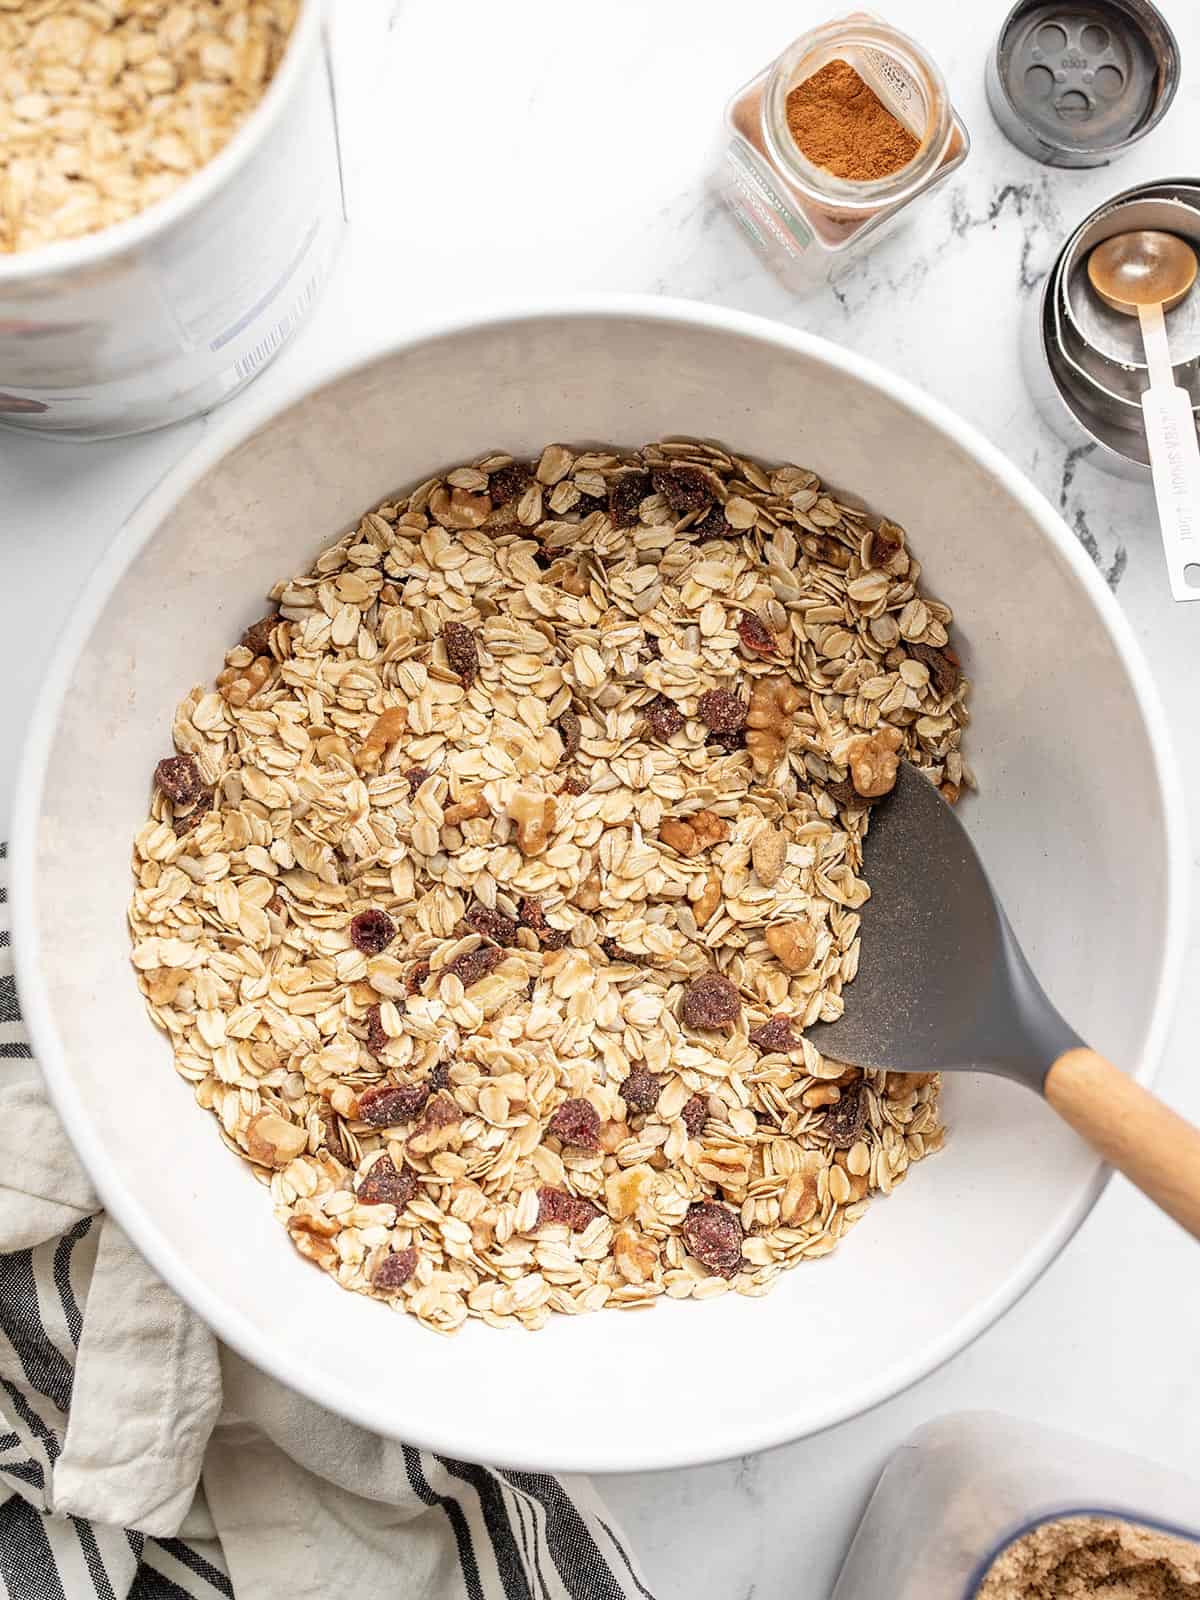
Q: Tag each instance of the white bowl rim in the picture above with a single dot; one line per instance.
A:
(252, 413)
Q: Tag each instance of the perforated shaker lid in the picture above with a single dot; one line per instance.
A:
(1074, 82)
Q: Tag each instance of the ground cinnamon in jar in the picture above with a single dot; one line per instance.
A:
(841, 124)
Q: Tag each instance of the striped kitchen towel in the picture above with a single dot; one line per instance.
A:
(140, 1458)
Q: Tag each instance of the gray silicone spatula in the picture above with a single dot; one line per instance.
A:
(944, 987)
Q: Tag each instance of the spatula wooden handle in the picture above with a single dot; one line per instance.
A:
(1155, 1149)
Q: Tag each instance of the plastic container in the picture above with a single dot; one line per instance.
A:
(962, 1489)
(169, 313)
(802, 218)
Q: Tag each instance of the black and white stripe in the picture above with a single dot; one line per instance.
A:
(515, 1535)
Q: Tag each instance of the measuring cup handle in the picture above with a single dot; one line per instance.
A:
(1174, 459)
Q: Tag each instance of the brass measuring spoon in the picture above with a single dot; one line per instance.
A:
(1143, 275)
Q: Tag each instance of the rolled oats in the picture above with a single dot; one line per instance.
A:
(505, 1036)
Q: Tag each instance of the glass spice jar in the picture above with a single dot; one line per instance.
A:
(802, 217)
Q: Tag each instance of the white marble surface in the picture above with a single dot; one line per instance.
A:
(518, 150)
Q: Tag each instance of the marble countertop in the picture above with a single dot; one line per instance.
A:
(539, 148)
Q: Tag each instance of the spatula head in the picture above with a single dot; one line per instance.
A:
(942, 983)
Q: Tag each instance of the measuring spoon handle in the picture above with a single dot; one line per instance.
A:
(1174, 459)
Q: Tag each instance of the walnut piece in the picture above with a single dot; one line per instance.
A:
(793, 944)
(708, 900)
(470, 806)
(459, 508)
(313, 1237)
(587, 896)
(695, 834)
(272, 1140)
(384, 731)
(535, 815)
(874, 761)
(438, 1128)
(773, 703)
(634, 1255)
(628, 1189)
(769, 854)
(239, 685)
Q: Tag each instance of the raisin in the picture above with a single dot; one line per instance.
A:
(641, 1089)
(257, 637)
(386, 1184)
(556, 1206)
(416, 777)
(664, 717)
(416, 976)
(711, 1001)
(492, 924)
(756, 636)
(684, 488)
(625, 495)
(372, 931)
(509, 483)
(774, 1035)
(723, 712)
(714, 525)
(713, 1234)
(439, 1077)
(614, 952)
(461, 652)
(389, 1104)
(577, 1122)
(533, 917)
(474, 964)
(653, 647)
(844, 794)
(179, 779)
(531, 987)
(695, 1114)
(943, 667)
(885, 541)
(574, 784)
(844, 1121)
(570, 731)
(377, 1035)
(394, 1271)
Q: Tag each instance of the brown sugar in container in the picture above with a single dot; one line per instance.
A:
(803, 217)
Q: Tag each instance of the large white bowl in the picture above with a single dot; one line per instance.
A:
(1078, 819)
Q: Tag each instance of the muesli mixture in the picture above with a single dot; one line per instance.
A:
(107, 106)
(1075, 1558)
(495, 881)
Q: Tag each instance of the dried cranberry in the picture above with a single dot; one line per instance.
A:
(756, 636)
(625, 495)
(416, 777)
(570, 730)
(372, 931)
(695, 1114)
(386, 1184)
(774, 1035)
(723, 712)
(641, 1089)
(845, 1120)
(556, 1206)
(492, 924)
(179, 779)
(653, 647)
(684, 488)
(388, 1104)
(257, 637)
(509, 483)
(885, 541)
(472, 965)
(395, 1270)
(439, 1077)
(943, 667)
(577, 1122)
(533, 917)
(416, 976)
(461, 651)
(714, 1236)
(193, 819)
(714, 526)
(711, 1001)
(378, 1037)
(664, 717)
(574, 784)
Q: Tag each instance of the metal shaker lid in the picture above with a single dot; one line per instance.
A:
(1075, 82)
